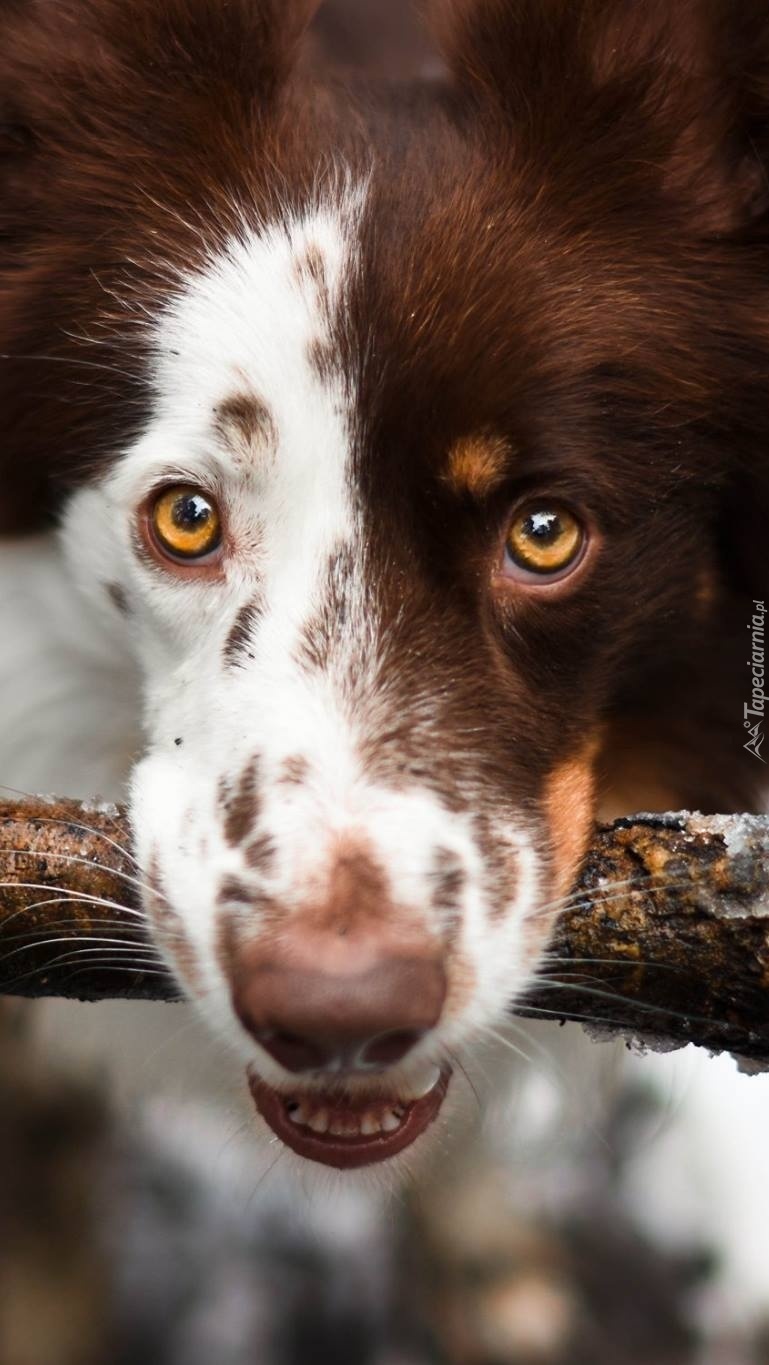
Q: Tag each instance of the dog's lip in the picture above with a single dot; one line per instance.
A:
(346, 1153)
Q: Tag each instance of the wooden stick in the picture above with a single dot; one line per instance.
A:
(666, 938)
(70, 906)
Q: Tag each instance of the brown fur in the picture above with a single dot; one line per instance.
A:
(295, 770)
(246, 424)
(240, 805)
(356, 896)
(238, 642)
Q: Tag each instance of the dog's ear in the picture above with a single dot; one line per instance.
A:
(152, 68)
(117, 117)
(671, 94)
(242, 49)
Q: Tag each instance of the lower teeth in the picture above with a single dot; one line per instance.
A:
(367, 1124)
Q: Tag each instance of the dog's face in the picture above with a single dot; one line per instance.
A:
(418, 456)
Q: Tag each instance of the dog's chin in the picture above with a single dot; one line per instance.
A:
(350, 1126)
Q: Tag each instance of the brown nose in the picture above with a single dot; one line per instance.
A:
(334, 1006)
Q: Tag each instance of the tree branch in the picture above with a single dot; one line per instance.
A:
(665, 939)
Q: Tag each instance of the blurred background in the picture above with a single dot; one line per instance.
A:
(618, 1212)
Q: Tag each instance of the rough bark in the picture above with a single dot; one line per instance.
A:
(69, 906)
(666, 938)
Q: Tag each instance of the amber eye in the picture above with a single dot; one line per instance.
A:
(186, 523)
(544, 541)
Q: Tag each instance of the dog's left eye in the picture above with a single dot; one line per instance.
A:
(185, 522)
(544, 541)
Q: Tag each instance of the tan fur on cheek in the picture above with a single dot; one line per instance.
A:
(569, 808)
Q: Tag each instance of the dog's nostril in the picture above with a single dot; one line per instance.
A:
(291, 1051)
(316, 1003)
(390, 1048)
(333, 1054)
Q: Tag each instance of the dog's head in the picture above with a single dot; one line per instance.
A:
(407, 434)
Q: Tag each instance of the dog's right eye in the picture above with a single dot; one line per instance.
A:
(185, 524)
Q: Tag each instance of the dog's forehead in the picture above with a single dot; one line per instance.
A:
(246, 348)
(311, 329)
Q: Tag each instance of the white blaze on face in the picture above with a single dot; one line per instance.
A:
(257, 325)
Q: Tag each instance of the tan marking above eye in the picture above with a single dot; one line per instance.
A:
(186, 522)
(544, 539)
(477, 464)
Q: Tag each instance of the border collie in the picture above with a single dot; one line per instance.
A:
(405, 448)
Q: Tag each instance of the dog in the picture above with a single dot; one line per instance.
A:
(393, 457)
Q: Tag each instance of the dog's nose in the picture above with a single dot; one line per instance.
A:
(332, 1007)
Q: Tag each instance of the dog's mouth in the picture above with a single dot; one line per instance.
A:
(348, 1128)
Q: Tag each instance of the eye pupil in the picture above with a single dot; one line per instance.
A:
(543, 527)
(191, 512)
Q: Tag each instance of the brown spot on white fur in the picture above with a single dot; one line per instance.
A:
(477, 464)
(357, 891)
(241, 807)
(310, 270)
(311, 275)
(260, 853)
(245, 424)
(233, 889)
(226, 939)
(240, 636)
(117, 596)
(322, 359)
(449, 880)
(294, 770)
